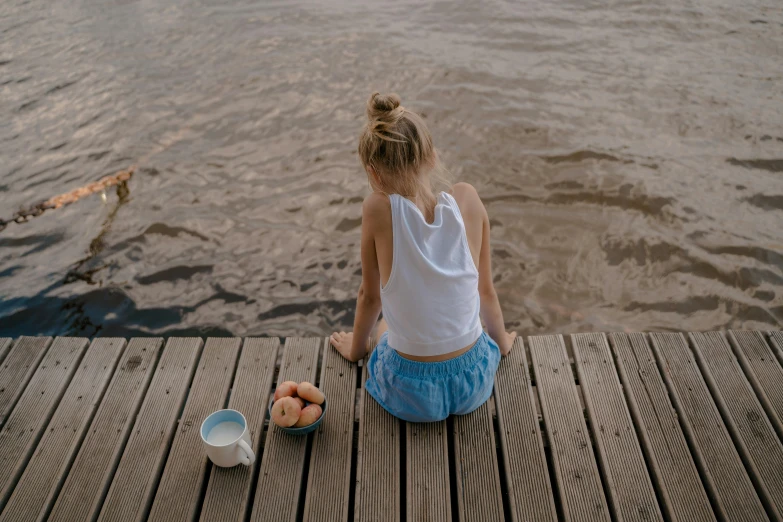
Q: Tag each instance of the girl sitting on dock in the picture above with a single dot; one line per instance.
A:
(426, 264)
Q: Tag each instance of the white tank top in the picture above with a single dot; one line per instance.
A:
(431, 301)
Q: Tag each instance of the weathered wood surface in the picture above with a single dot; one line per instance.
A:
(763, 371)
(229, 490)
(776, 341)
(526, 473)
(751, 431)
(574, 465)
(670, 464)
(179, 493)
(88, 481)
(98, 431)
(40, 483)
(427, 482)
(733, 495)
(377, 497)
(135, 482)
(628, 487)
(19, 364)
(282, 464)
(35, 408)
(479, 496)
(5, 347)
(329, 479)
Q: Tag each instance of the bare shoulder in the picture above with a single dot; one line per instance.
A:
(376, 203)
(376, 209)
(469, 202)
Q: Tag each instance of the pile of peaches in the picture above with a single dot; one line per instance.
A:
(297, 405)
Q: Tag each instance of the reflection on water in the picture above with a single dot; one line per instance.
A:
(630, 155)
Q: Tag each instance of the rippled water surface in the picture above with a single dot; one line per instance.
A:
(630, 155)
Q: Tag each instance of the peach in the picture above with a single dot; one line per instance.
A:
(310, 414)
(286, 389)
(310, 393)
(285, 412)
(300, 401)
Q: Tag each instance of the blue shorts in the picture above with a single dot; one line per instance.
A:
(426, 392)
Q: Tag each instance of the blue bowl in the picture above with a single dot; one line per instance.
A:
(303, 430)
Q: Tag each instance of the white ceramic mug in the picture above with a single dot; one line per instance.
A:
(227, 439)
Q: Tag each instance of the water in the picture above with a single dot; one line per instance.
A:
(225, 433)
(630, 155)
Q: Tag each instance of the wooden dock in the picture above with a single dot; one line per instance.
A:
(586, 427)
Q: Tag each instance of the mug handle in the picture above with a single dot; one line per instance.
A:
(249, 457)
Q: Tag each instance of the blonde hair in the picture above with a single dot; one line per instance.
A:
(397, 145)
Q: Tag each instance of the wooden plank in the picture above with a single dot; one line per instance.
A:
(671, 466)
(18, 367)
(179, 493)
(133, 487)
(476, 467)
(727, 483)
(628, 487)
(282, 465)
(776, 341)
(744, 416)
(763, 371)
(378, 462)
(228, 491)
(428, 492)
(329, 477)
(579, 483)
(5, 347)
(88, 481)
(35, 407)
(524, 462)
(40, 482)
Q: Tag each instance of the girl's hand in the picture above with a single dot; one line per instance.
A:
(342, 342)
(508, 343)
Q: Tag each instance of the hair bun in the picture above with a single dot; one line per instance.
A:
(384, 107)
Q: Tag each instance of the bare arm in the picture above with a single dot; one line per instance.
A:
(490, 305)
(353, 346)
(477, 227)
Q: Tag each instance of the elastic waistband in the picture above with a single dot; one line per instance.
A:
(402, 366)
